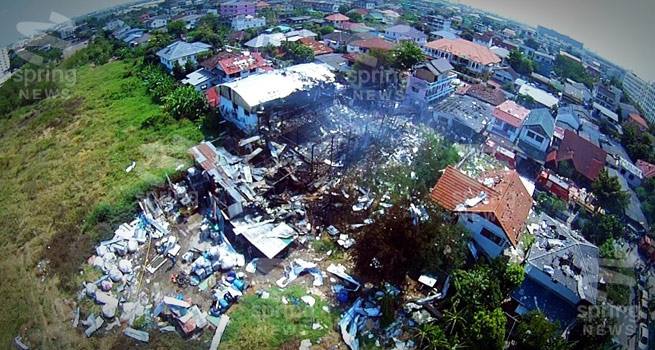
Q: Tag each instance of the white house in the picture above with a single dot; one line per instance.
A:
(494, 209)
(508, 119)
(403, 32)
(475, 58)
(243, 99)
(247, 22)
(181, 52)
(431, 81)
(537, 134)
(158, 22)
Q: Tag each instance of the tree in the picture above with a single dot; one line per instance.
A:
(593, 329)
(646, 194)
(326, 30)
(535, 332)
(520, 63)
(178, 71)
(355, 17)
(550, 204)
(639, 145)
(567, 68)
(510, 275)
(407, 54)
(298, 52)
(186, 102)
(343, 9)
(176, 28)
(601, 227)
(533, 44)
(394, 246)
(205, 33)
(189, 66)
(159, 83)
(488, 329)
(476, 288)
(609, 193)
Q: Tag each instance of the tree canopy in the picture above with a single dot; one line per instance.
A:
(186, 102)
(535, 332)
(568, 68)
(520, 63)
(609, 193)
(407, 54)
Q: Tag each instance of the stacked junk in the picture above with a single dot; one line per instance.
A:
(248, 200)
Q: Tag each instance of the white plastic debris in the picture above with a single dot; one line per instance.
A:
(309, 300)
(125, 266)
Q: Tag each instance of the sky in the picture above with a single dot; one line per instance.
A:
(622, 31)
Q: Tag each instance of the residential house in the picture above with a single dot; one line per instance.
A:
(630, 172)
(494, 209)
(201, 79)
(568, 117)
(562, 273)
(462, 53)
(336, 19)
(365, 45)
(636, 121)
(508, 119)
(403, 32)
(600, 112)
(607, 96)
(505, 75)
(488, 92)
(647, 169)
(158, 22)
(355, 27)
(336, 39)
(265, 40)
(243, 100)
(247, 22)
(298, 20)
(536, 135)
(317, 47)
(539, 96)
(113, 25)
(241, 65)
(437, 22)
(463, 116)
(577, 158)
(336, 61)
(633, 215)
(296, 35)
(231, 9)
(321, 5)
(181, 52)
(431, 81)
(544, 62)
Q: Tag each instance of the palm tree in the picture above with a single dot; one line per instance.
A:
(454, 317)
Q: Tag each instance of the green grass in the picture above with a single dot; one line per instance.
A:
(63, 161)
(257, 323)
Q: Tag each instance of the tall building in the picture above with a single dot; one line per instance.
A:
(4, 60)
(641, 93)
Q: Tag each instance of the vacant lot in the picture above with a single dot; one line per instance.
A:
(62, 160)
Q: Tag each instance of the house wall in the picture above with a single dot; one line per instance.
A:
(542, 146)
(237, 115)
(472, 66)
(425, 92)
(247, 23)
(169, 64)
(237, 9)
(505, 130)
(475, 224)
(545, 280)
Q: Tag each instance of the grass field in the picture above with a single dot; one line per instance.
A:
(257, 323)
(63, 161)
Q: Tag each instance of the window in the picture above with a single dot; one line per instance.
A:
(535, 136)
(491, 236)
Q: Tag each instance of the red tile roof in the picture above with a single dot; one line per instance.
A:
(243, 62)
(588, 159)
(373, 43)
(487, 93)
(318, 47)
(508, 201)
(511, 113)
(647, 169)
(465, 49)
(337, 17)
(638, 120)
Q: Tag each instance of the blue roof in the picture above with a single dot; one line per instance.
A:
(533, 296)
(180, 49)
(543, 118)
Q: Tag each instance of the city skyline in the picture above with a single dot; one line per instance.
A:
(601, 29)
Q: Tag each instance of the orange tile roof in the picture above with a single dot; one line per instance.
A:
(508, 201)
(318, 47)
(511, 113)
(639, 120)
(373, 43)
(465, 49)
(337, 17)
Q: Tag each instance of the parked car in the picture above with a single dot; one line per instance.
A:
(643, 337)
